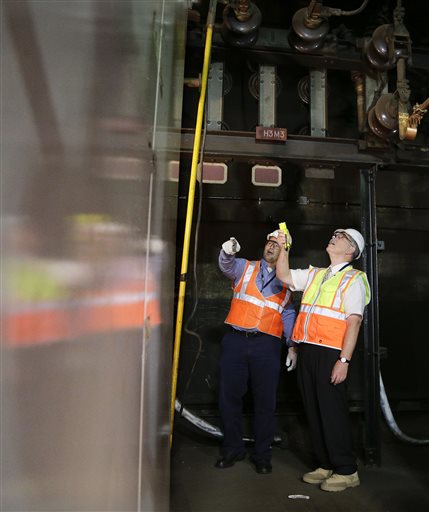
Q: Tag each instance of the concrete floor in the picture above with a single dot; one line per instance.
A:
(401, 484)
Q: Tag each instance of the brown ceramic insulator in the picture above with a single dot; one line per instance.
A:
(306, 38)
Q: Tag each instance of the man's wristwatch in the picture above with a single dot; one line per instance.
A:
(344, 360)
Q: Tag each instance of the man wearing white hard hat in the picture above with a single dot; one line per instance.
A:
(326, 331)
(261, 314)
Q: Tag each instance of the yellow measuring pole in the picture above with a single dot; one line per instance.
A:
(189, 212)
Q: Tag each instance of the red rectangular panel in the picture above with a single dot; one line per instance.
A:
(272, 134)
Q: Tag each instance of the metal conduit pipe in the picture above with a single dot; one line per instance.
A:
(208, 427)
(189, 211)
(215, 431)
(404, 95)
(358, 80)
(390, 420)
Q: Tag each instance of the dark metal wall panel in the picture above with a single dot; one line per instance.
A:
(313, 208)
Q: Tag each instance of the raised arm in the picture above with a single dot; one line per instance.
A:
(282, 267)
(231, 266)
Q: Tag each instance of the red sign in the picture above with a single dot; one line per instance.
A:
(271, 134)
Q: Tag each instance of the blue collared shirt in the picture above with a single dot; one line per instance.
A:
(233, 268)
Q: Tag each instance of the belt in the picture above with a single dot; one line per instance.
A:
(248, 334)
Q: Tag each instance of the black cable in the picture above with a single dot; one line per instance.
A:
(338, 12)
(194, 272)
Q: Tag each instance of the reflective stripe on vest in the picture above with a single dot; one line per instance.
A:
(322, 319)
(242, 295)
(261, 303)
(251, 310)
(320, 310)
(315, 279)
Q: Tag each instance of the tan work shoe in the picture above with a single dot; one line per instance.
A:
(338, 482)
(317, 476)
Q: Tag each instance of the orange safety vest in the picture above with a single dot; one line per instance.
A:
(251, 310)
(322, 318)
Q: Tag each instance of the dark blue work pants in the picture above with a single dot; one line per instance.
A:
(244, 361)
(326, 408)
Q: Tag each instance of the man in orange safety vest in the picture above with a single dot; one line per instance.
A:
(261, 313)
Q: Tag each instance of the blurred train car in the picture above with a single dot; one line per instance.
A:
(90, 92)
(98, 109)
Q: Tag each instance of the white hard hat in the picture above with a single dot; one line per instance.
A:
(274, 234)
(356, 237)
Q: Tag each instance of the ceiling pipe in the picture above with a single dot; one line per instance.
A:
(404, 96)
(358, 79)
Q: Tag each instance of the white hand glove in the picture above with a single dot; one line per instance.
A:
(291, 359)
(231, 246)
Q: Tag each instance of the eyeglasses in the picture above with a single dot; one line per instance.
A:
(272, 243)
(341, 234)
